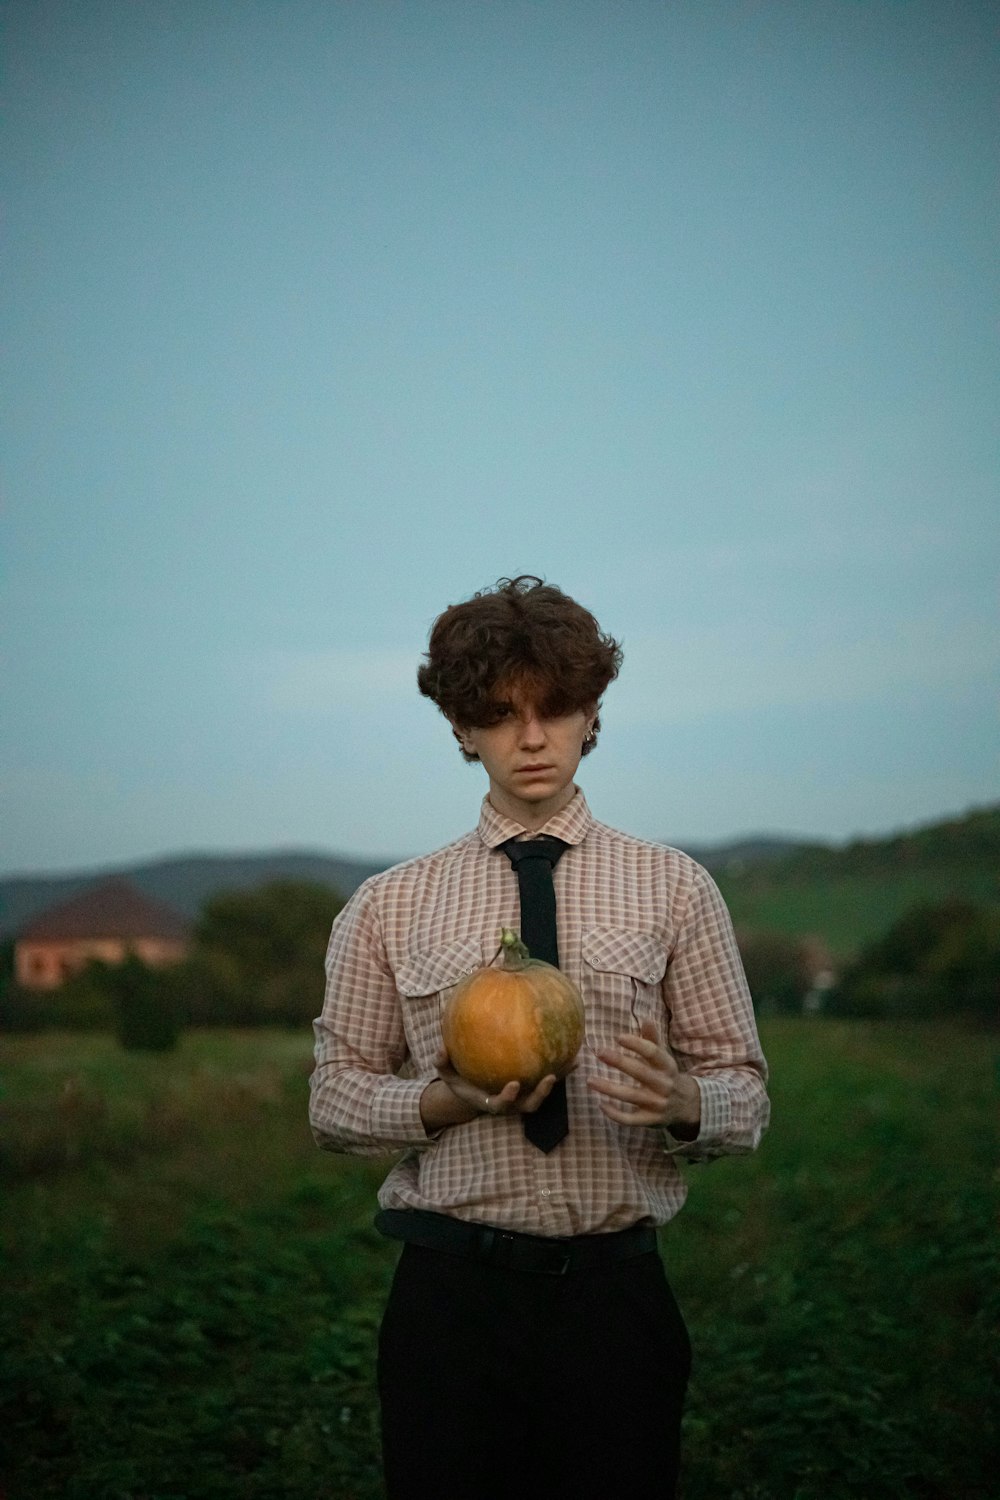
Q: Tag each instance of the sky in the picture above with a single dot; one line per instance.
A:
(321, 316)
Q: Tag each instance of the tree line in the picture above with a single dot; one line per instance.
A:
(940, 959)
(256, 959)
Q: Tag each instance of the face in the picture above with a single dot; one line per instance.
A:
(530, 760)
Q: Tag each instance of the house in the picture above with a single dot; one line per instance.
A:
(107, 921)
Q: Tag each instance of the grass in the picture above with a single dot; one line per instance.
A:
(193, 1290)
(846, 909)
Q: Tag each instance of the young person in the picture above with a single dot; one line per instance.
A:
(531, 1344)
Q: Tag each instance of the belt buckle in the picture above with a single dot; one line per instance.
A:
(529, 1254)
(555, 1259)
(500, 1246)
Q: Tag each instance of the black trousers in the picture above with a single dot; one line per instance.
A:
(498, 1383)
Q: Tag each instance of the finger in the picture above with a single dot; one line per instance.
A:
(643, 1046)
(655, 1074)
(539, 1094)
(622, 1116)
(650, 1052)
(635, 1094)
(500, 1103)
(446, 1069)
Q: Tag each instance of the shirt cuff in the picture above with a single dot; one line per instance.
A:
(395, 1113)
(716, 1118)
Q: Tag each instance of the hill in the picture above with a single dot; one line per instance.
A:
(850, 894)
(184, 882)
(843, 894)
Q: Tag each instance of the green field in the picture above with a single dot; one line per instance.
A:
(192, 1289)
(846, 908)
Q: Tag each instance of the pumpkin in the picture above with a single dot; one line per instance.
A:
(521, 1019)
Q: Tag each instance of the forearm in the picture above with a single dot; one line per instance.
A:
(713, 1032)
(440, 1107)
(683, 1118)
(365, 1114)
(734, 1115)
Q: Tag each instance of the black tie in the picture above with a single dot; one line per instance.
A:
(533, 861)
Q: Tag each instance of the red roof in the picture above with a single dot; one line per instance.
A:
(112, 909)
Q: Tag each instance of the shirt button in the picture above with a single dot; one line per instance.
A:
(546, 1192)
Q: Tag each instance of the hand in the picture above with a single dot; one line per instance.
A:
(509, 1101)
(450, 1100)
(654, 1091)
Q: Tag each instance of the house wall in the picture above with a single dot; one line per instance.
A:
(45, 965)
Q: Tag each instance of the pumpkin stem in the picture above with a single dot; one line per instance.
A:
(515, 954)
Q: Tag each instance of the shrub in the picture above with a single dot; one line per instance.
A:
(779, 969)
(939, 958)
(25, 1010)
(258, 955)
(147, 1017)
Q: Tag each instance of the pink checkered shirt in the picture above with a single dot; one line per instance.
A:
(643, 932)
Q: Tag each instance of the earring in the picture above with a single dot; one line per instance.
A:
(590, 736)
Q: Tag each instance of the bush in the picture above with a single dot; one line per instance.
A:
(258, 955)
(257, 960)
(82, 1003)
(965, 963)
(25, 1010)
(20, 1009)
(147, 1017)
(940, 958)
(779, 969)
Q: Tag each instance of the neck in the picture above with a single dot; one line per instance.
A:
(531, 815)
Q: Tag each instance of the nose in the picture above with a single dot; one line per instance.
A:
(532, 731)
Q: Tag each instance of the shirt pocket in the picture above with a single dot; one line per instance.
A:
(622, 973)
(424, 982)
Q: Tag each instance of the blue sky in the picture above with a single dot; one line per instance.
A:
(321, 316)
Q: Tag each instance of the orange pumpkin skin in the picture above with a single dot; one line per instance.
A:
(519, 1022)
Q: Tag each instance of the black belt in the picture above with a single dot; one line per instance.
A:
(516, 1252)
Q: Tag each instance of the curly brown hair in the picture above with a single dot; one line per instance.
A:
(523, 635)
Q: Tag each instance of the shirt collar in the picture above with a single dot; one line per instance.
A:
(572, 824)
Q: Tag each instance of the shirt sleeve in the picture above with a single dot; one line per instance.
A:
(712, 1032)
(357, 1102)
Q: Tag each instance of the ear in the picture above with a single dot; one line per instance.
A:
(591, 714)
(462, 735)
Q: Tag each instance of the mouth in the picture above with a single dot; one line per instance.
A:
(531, 770)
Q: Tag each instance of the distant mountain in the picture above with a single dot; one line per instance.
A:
(759, 875)
(757, 850)
(184, 882)
(971, 840)
(850, 894)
